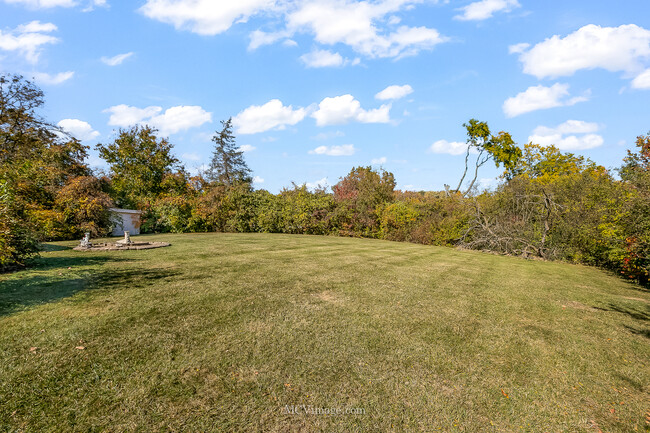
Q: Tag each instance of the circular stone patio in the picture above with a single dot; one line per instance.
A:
(118, 247)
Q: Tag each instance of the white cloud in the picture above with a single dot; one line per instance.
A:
(43, 4)
(116, 60)
(258, 180)
(28, 39)
(322, 183)
(358, 25)
(52, 80)
(451, 148)
(322, 59)
(642, 81)
(571, 135)
(181, 118)
(365, 26)
(484, 9)
(379, 161)
(394, 92)
(518, 48)
(393, 20)
(272, 115)
(205, 17)
(616, 49)
(78, 129)
(171, 121)
(343, 150)
(93, 4)
(247, 148)
(343, 109)
(124, 115)
(540, 98)
(259, 38)
(488, 183)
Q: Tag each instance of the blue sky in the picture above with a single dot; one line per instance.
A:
(318, 87)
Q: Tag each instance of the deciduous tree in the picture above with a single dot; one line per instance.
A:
(499, 148)
(138, 161)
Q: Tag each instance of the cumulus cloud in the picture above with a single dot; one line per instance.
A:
(518, 48)
(52, 80)
(79, 129)
(394, 92)
(124, 115)
(324, 59)
(171, 121)
(322, 183)
(616, 49)
(450, 148)
(205, 17)
(259, 38)
(571, 135)
(258, 180)
(28, 39)
(247, 148)
(642, 81)
(272, 115)
(358, 25)
(343, 150)
(484, 9)
(379, 161)
(343, 109)
(181, 118)
(95, 3)
(43, 4)
(364, 26)
(540, 98)
(116, 60)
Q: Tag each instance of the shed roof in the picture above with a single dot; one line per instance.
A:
(117, 210)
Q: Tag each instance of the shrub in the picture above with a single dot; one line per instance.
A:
(17, 240)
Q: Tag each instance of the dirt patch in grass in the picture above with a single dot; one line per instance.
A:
(578, 306)
(330, 297)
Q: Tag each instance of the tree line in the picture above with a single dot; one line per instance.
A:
(549, 204)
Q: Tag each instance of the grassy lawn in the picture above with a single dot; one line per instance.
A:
(221, 332)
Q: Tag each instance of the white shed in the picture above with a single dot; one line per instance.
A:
(125, 220)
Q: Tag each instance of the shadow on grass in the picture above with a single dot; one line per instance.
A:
(636, 314)
(640, 331)
(47, 248)
(130, 277)
(86, 273)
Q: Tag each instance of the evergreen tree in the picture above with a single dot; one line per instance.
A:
(228, 166)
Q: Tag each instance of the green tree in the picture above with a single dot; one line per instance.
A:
(37, 159)
(18, 241)
(547, 163)
(635, 174)
(499, 148)
(228, 166)
(139, 162)
(359, 194)
(83, 207)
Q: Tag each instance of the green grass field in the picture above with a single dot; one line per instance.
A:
(223, 332)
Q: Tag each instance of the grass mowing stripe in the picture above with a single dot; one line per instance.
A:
(223, 332)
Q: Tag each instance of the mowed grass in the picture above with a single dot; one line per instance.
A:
(221, 332)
